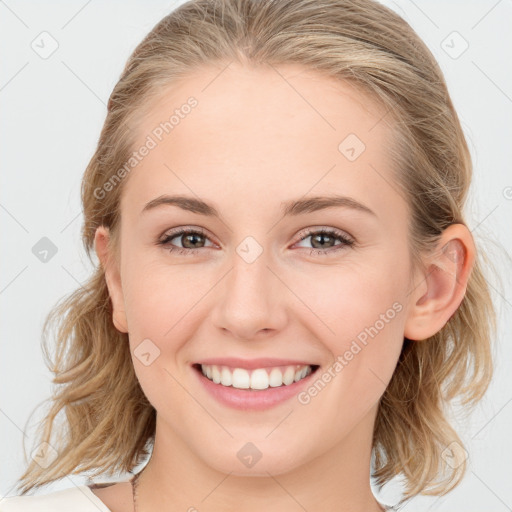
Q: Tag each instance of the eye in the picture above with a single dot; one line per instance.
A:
(191, 240)
(323, 240)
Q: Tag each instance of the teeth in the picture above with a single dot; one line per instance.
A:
(226, 379)
(260, 378)
(241, 378)
(215, 375)
(289, 376)
(275, 378)
(301, 374)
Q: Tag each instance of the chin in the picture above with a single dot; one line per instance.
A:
(248, 460)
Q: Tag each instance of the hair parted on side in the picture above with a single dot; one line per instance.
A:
(109, 424)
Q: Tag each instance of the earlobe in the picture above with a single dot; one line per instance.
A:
(112, 277)
(444, 284)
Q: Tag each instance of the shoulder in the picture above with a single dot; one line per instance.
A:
(79, 499)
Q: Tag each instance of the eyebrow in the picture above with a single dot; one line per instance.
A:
(289, 208)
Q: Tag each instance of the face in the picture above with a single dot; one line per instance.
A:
(261, 280)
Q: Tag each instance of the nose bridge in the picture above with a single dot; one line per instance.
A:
(252, 296)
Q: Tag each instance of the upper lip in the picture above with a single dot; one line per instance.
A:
(250, 364)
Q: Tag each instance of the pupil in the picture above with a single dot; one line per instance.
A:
(323, 236)
(192, 235)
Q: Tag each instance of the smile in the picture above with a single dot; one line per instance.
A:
(257, 379)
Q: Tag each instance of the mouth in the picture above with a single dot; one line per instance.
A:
(255, 379)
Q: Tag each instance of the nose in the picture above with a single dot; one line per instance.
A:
(251, 301)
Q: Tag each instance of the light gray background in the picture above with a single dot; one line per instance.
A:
(52, 112)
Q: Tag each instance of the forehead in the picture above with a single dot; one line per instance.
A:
(255, 130)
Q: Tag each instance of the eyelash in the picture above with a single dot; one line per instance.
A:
(346, 242)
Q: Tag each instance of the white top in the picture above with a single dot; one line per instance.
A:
(74, 499)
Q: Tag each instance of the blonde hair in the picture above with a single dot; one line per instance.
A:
(109, 424)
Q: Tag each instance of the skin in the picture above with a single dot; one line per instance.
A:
(255, 131)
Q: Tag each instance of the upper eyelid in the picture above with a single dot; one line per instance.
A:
(174, 232)
(304, 233)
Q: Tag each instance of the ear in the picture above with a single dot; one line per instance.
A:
(112, 276)
(443, 286)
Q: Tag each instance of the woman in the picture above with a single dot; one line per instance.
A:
(287, 293)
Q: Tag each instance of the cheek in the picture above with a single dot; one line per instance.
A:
(165, 304)
(349, 297)
(155, 296)
(161, 318)
(351, 308)
(364, 311)
(163, 297)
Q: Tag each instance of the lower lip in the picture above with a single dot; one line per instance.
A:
(247, 399)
